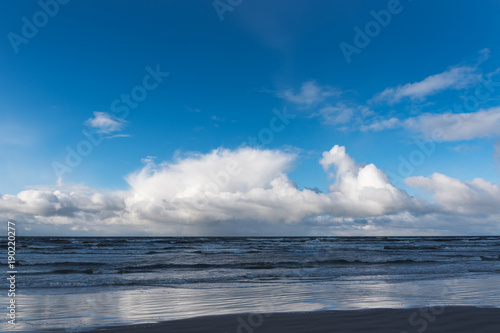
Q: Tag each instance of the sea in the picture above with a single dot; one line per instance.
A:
(82, 283)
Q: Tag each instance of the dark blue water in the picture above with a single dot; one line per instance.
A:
(181, 261)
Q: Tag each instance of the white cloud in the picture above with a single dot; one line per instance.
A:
(60, 201)
(454, 78)
(310, 93)
(105, 123)
(361, 191)
(475, 197)
(248, 191)
(447, 126)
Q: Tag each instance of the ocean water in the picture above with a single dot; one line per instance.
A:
(79, 283)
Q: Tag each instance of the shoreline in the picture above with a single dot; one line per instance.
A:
(428, 320)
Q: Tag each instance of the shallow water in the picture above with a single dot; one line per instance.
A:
(99, 306)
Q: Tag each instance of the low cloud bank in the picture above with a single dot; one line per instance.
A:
(248, 191)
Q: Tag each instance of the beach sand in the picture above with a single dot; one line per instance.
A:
(428, 320)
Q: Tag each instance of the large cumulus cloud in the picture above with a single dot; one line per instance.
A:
(249, 184)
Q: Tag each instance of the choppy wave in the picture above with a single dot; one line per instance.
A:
(176, 261)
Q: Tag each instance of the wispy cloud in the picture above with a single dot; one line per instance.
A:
(190, 109)
(454, 78)
(496, 153)
(457, 126)
(324, 102)
(380, 125)
(446, 126)
(457, 78)
(345, 115)
(219, 119)
(309, 94)
(106, 123)
(117, 136)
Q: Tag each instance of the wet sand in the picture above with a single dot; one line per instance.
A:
(428, 320)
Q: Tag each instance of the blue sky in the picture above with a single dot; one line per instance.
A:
(227, 79)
